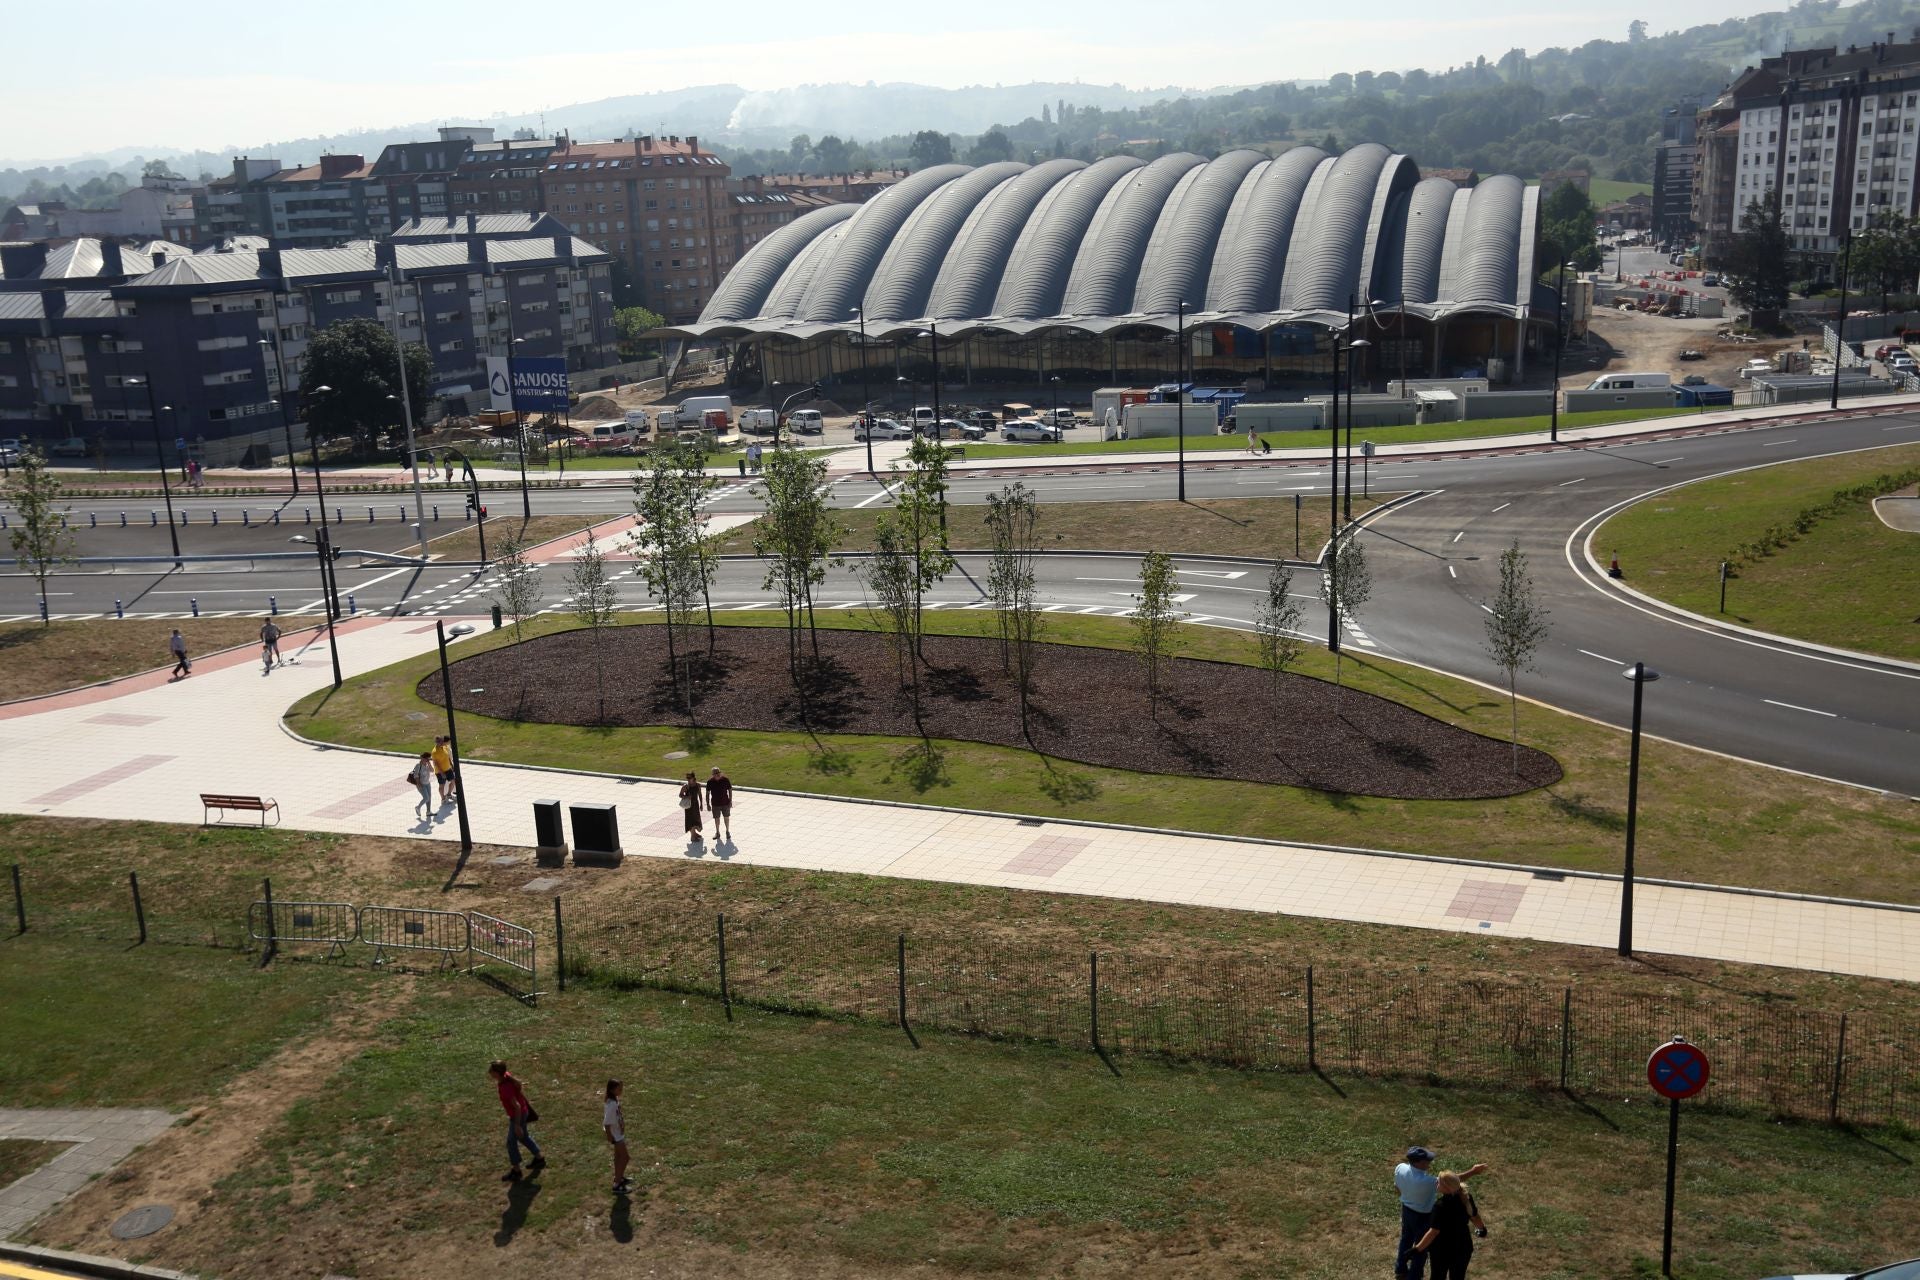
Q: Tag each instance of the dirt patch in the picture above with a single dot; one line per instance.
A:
(21, 1156)
(184, 1166)
(1215, 720)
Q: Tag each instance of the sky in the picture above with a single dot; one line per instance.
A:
(215, 77)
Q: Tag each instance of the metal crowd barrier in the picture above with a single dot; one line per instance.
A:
(334, 923)
(385, 929)
(504, 942)
(448, 934)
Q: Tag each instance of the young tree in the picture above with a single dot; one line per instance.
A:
(40, 537)
(1276, 624)
(669, 557)
(356, 358)
(1516, 629)
(1013, 517)
(1154, 621)
(693, 486)
(918, 504)
(594, 603)
(518, 588)
(1347, 584)
(1755, 262)
(795, 533)
(894, 587)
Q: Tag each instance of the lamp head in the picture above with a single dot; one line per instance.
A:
(1643, 673)
(300, 538)
(460, 629)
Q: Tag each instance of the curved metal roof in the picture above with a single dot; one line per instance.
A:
(1092, 248)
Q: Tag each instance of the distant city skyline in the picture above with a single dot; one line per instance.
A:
(200, 82)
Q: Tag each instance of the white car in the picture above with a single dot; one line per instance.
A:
(1061, 417)
(881, 429)
(1909, 1270)
(952, 429)
(10, 451)
(1028, 429)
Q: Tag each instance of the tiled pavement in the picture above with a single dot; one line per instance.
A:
(161, 743)
(102, 1138)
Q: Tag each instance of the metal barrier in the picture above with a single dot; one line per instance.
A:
(507, 943)
(415, 929)
(334, 923)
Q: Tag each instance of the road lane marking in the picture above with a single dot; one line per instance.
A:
(885, 492)
(1564, 483)
(1777, 443)
(1459, 535)
(1487, 608)
(1502, 507)
(1603, 657)
(1905, 426)
(1812, 711)
(1661, 462)
(1451, 573)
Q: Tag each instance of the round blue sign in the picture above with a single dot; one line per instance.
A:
(1678, 1070)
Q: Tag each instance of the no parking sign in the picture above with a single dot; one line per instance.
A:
(1676, 1070)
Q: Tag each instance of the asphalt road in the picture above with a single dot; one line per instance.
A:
(1434, 563)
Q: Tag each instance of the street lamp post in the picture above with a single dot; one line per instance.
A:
(1641, 675)
(1333, 508)
(1559, 342)
(159, 456)
(1180, 392)
(1346, 484)
(453, 731)
(1840, 321)
(324, 546)
(513, 402)
(1054, 382)
(933, 331)
(406, 393)
(866, 394)
(286, 419)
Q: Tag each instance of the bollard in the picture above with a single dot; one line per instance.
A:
(369, 515)
(245, 522)
(273, 606)
(118, 611)
(436, 513)
(43, 608)
(267, 949)
(1093, 1009)
(123, 519)
(308, 511)
(154, 518)
(19, 900)
(139, 909)
(400, 513)
(194, 603)
(496, 617)
(276, 517)
(351, 606)
(3, 520)
(93, 521)
(559, 944)
(339, 516)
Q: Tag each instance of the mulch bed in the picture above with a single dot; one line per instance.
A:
(1216, 720)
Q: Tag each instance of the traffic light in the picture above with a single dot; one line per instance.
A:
(474, 508)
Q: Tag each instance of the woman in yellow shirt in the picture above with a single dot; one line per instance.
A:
(443, 767)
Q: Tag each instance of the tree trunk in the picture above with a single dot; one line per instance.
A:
(1513, 700)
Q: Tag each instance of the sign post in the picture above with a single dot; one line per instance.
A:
(1676, 1070)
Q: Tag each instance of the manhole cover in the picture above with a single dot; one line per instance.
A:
(511, 860)
(677, 755)
(144, 1221)
(416, 715)
(542, 885)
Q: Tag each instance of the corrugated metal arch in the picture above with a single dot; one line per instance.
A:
(1042, 260)
(1247, 268)
(785, 301)
(1109, 261)
(1323, 269)
(743, 291)
(1491, 252)
(1385, 224)
(1180, 254)
(977, 263)
(1423, 241)
(904, 280)
(838, 286)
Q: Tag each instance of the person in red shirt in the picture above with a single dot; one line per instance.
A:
(520, 1114)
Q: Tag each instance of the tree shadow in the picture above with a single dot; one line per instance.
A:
(1063, 787)
(923, 766)
(829, 696)
(1408, 755)
(1216, 512)
(956, 684)
(830, 761)
(1424, 692)
(696, 739)
(1577, 807)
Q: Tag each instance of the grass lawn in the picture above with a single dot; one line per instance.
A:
(37, 659)
(1701, 817)
(464, 543)
(1196, 442)
(1204, 526)
(780, 1146)
(1851, 581)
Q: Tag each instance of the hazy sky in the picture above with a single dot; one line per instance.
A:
(213, 77)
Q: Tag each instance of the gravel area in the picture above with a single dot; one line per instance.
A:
(1216, 720)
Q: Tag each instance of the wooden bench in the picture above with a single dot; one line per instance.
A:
(239, 804)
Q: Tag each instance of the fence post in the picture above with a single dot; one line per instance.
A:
(1313, 1061)
(1093, 1008)
(902, 971)
(139, 911)
(1839, 1066)
(19, 900)
(559, 944)
(726, 999)
(266, 891)
(1566, 1035)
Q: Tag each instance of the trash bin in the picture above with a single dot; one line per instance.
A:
(496, 617)
(743, 466)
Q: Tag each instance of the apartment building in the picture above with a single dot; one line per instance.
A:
(312, 206)
(838, 188)
(213, 332)
(1673, 186)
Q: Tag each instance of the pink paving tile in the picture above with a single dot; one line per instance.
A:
(1487, 900)
(1045, 855)
(360, 802)
(105, 778)
(123, 719)
(670, 827)
(609, 533)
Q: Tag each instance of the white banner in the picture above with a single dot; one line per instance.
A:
(499, 384)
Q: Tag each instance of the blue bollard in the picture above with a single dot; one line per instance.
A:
(153, 518)
(183, 517)
(276, 517)
(369, 515)
(400, 513)
(216, 519)
(194, 603)
(436, 513)
(273, 606)
(118, 611)
(309, 514)
(3, 522)
(339, 516)
(93, 521)
(245, 522)
(43, 608)
(351, 606)
(123, 519)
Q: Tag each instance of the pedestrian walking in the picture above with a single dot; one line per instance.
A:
(177, 644)
(690, 804)
(1418, 1188)
(720, 803)
(442, 757)
(1456, 1221)
(520, 1114)
(1253, 441)
(193, 473)
(613, 1120)
(269, 645)
(421, 776)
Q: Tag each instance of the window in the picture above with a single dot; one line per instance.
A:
(221, 344)
(338, 297)
(228, 378)
(454, 344)
(445, 286)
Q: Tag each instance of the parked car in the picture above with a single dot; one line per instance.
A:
(71, 447)
(881, 429)
(1692, 353)
(1030, 429)
(1710, 280)
(986, 419)
(10, 450)
(1899, 362)
(807, 422)
(952, 429)
(759, 422)
(1909, 1270)
(1061, 417)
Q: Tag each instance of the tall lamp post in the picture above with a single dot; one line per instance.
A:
(1346, 484)
(453, 731)
(933, 331)
(329, 593)
(406, 392)
(866, 394)
(1053, 381)
(1559, 342)
(513, 402)
(1641, 675)
(1180, 391)
(1840, 322)
(272, 346)
(1333, 510)
(160, 456)
(313, 442)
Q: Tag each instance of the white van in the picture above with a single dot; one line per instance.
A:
(606, 436)
(692, 412)
(638, 422)
(759, 422)
(922, 416)
(1630, 382)
(807, 422)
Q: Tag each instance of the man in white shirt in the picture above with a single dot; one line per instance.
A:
(1418, 1186)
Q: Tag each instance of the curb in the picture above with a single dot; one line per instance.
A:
(87, 1264)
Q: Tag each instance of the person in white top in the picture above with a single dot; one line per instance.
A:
(615, 1124)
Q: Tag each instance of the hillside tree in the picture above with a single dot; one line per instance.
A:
(1755, 261)
(1155, 621)
(594, 602)
(1013, 519)
(41, 540)
(1516, 628)
(356, 358)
